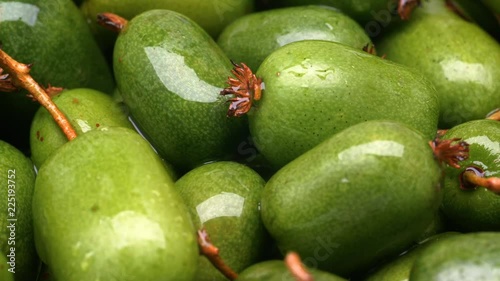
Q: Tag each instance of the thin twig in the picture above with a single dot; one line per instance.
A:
(212, 253)
(20, 77)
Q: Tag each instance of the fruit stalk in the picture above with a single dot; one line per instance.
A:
(295, 266)
(494, 115)
(212, 253)
(471, 177)
(19, 77)
(112, 22)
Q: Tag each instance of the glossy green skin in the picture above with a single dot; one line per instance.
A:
(361, 11)
(86, 110)
(62, 51)
(468, 257)
(276, 270)
(5, 275)
(21, 182)
(212, 15)
(251, 38)
(224, 198)
(102, 212)
(170, 74)
(363, 194)
(464, 71)
(314, 89)
(399, 268)
(477, 209)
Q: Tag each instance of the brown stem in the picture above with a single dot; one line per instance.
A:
(20, 77)
(494, 115)
(295, 266)
(112, 22)
(405, 8)
(471, 177)
(212, 253)
(451, 151)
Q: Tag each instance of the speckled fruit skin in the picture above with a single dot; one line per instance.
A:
(314, 89)
(170, 74)
(359, 10)
(477, 209)
(17, 178)
(105, 208)
(363, 194)
(275, 270)
(86, 110)
(465, 71)
(251, 38)
(62, 51)
(224, 198)
(467, 257)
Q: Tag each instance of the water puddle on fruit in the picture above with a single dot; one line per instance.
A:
(179, 78)
(17, 11)
(311, 70)
(378, 148)
(221, 205)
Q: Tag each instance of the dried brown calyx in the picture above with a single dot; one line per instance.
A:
(19, 77)
(245, 89)
(473, 177)
(208, 250)
(451, 151)
(112, 22)
(370, 49)
(406, 7)
(296, 268)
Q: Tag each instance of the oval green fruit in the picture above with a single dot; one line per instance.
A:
(276, 270)
(54, 37)
(465, 72)
(251, 38)
(102, 212)
(17, 245)
(86, 110)
(314, 89)
(364, 194)
(467, 257)
(475, 209)
(170, 74)
(225, 196)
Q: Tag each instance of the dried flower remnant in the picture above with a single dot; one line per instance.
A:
(245, 89)
(6, 84)
(450, 151)
(405, 8)
(208, 250)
